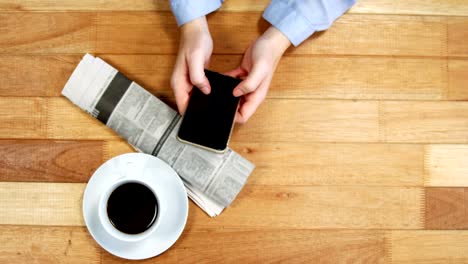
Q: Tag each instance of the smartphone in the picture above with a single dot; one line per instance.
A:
(209, 119)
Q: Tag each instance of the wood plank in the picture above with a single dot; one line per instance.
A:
(446, 165)
(33, 203)
(33, 244)
(292, 246)
(419, 122)
(47, 32)
(457, 34)
(296, 76)
(23, 117)
(49, 161)
(446, 208)
(313, 77)
(311, 120)
(83, 5)
(334, 164)
(413, 7)
(128, 32)
(30, 244)
(116, 147)
(322, 207)
(331, 164)
(458, 79)
(372, 34)
(429, 246)
(310, 207)
(276, 163)
(279, 120)
(304, 121)
(380, 35)
(35, 75)
(360, 78)
(68, 121)
(137, 32)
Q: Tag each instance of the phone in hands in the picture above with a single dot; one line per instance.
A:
(209, 119)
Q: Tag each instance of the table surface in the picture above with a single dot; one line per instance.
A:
(361, 146)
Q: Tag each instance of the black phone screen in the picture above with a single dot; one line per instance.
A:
(209, 119)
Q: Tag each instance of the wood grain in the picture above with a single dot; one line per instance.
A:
(432, 7)
(446, 208)
(362, 77)
(256, 207)
(123, 32)
(20, 244)
(315, 76)
(429, 246)
(446, 165)
(311, 120)
(319, 121)
(457, 34)
(387, 35)
(275, 120)
(23, 117)
(334, 77)
(68, 121)
(419, 122)
(49, 161)
(34, 244)
(292, 246)
(381, 35)
(458, 79)
(47, 32)
(322, 207)
(33, 203)
(334, 164)
(323, 163)
(83, 5)
(33, 75)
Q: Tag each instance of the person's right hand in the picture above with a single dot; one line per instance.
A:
(195, 51)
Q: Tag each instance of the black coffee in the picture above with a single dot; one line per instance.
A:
(132, 208)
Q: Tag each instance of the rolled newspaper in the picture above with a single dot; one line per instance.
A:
(212, 180)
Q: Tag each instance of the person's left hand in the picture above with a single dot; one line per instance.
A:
(257, 69)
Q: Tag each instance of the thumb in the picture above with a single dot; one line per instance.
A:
(252, 82)
(197, 73)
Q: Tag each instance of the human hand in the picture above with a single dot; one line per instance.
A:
(194, 54)
(257, 69)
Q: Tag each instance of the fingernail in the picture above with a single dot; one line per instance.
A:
(237, 93)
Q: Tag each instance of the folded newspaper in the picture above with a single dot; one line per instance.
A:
(212, 180)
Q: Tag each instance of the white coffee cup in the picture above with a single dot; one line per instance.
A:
(102, 208)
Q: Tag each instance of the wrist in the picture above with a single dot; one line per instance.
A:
(279, 41)
(196, 26)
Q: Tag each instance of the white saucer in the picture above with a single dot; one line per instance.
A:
(172, 199)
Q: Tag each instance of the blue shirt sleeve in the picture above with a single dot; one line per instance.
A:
(188, 10)
(298, 19)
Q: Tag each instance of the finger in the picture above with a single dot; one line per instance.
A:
(252, 82)
(237, 72)
(239, 119)
(182, 97)
(181, 85)
(197, 73)
(252, 102)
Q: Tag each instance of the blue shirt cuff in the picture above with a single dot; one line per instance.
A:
(188, 10)
(289, 21)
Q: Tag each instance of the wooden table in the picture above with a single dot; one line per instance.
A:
(361, 146)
